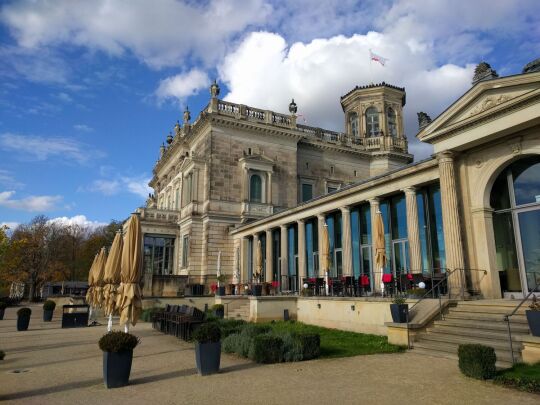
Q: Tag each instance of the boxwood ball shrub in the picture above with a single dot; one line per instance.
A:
(49, 305)
(117, 341)
(24, 312)
(266, 349)
(208, 332)
(477, 361)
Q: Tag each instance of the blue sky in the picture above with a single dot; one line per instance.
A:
(89, 90)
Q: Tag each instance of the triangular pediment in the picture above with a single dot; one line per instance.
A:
(484, 100)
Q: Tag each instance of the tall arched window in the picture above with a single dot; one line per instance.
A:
(353, 122)
(255, 188)
(391, 120)
(372, 122)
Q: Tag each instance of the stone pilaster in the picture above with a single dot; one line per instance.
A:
(374, 204)
(284, 253)
(321, 220)
(413, 232)
(346, 241)
(301, 226)
(269, 256)
(453, 243)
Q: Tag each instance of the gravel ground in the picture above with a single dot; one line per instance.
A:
(50, 365)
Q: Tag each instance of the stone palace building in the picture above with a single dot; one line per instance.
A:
(239, 177)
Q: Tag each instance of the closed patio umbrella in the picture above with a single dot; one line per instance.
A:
(99, 274)
(325, 255)
(259, 263)
(380, 250)
(112, 277)
(129, 302)
(90, 291)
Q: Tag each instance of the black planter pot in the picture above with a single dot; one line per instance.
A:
(22, 322)
(207, 357)
(116, 368)
(2, 313)
(221, 291)
(47, 315)
(257, 290)
(533, 317)
(399, 312)
(220, 313)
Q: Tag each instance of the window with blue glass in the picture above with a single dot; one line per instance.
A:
(158, 254)
(292, 258)
(312, 248)
(333, 221)
(262, 238)
(250, 258)
(276, 255)
(431, 229)
(394, 215)
(361, 240)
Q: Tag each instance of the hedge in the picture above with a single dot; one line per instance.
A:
(477, 361)
(266, 349)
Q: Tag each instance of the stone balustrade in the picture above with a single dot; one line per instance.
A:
(159, 215)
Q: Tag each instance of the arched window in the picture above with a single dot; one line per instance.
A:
(353, 122)
(372, 122)
(255, 188)
(391, 120)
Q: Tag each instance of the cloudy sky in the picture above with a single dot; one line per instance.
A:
(90, 89)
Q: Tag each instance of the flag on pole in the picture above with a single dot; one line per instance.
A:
(377, 58)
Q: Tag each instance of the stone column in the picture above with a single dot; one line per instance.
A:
(374, 204)
(269, 256)
(346, 241)
(321, 219)
(243, 260)
(255, 254)
(453, 243)
(301, 226)
(413, 232)
(284, 254)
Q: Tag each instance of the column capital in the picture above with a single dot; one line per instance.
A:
(321, 217)
(410, 190)
(344, 209)
(301, 221)
(446, 156)
(283, 227)
(374, 201)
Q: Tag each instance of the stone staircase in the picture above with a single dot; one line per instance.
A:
(475, 322)
(239, 312)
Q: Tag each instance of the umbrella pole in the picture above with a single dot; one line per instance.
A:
(109, 324)
(326, 282)
(126, 327)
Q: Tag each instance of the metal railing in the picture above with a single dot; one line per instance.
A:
(507, 319)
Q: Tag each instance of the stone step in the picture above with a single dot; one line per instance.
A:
(487, 309)
(448, 353)
(484, 317)
(476, 332)
(489, 325)
(457, 340)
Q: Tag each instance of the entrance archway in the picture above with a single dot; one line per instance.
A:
(515, 199)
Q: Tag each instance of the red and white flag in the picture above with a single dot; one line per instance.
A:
(377, 58)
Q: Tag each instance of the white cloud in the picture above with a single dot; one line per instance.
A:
(8, 180)
(106, 187)
(33, 203)
(137, 185)
(264, 72)
(83, 128)
(79, 220)
(10, 224)
(159, 33)
(31, 147)
(64, 97)
(183, 85)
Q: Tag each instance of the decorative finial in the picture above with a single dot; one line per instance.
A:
(161, 150)
(169, 138)
(214, 89)
(177, 128)
(483, 71)
(187, 116)
(293, 108)
(423, 120)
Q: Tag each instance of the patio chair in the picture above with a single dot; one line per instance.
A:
(388, 281)
(363, 284)
(348, 285)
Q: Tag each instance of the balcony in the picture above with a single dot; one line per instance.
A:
(159, 215)
(252, 209)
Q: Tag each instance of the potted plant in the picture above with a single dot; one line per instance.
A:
(48, 310)
(533, 316)
(221, 287)
(117, 350)
(257, 286)
(218, 310)
(23, 318)
(207, 348)
(399, 309)
(3, 307)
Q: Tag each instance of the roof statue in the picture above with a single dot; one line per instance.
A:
(293, 108)
(214, 89)
(187, 116)
(483, 71)
(533, 66)
(423, 120)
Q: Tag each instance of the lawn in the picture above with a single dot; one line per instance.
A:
(338, 343)
(522, 376)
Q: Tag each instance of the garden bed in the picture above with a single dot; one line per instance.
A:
(524, 377)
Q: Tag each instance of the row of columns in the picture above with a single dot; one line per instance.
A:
(451, 222)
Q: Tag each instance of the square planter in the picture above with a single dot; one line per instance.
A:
(208, 357)
(47, 315)
(399, 312)
(533, 317)
(116, 368)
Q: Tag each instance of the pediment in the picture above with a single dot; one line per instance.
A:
(257, 161)
(485, 99)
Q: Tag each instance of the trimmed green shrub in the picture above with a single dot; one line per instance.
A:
(524, 377)
(49, 305)
(230, 343)
(266, 349)
(24, 312)
(208, 332)
(253, 329)
(217, 307)
(117, 341)
(3, 305)
(310, 344)
(2, 354)
(230, 326)
(477, 361)
(292, 347)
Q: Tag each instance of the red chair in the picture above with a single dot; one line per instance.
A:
(387, 281)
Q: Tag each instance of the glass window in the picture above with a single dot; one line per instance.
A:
(187, 190)
(262, 238)
(312, 248)
(500, 195)
(353, 121)
(372, 122)
(255, 188)
(292, 255)
(185, 251)
(276, 254)
(505, 246)
(158, 255)
(391, 120)
(330, 189)
(307, 191)
(250, 259)
(526, 175)
(385, 212)
(355, 236)
(177, 198)
(431, 229)
(399, 217)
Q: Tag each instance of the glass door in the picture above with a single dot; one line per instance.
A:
(400, 257)
(529, 235)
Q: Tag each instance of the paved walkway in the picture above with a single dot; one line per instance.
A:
(50, 365)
